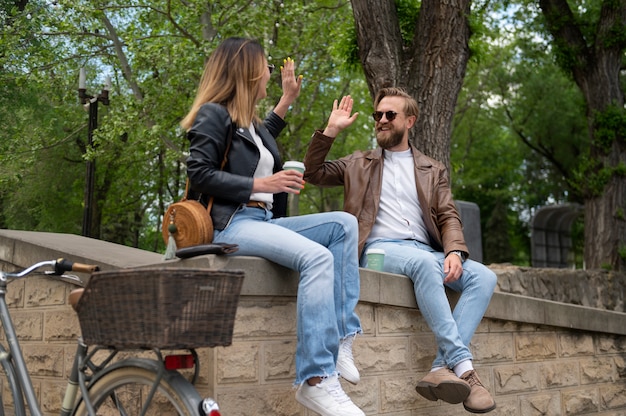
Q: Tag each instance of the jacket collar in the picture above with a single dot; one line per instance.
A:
(266, 138)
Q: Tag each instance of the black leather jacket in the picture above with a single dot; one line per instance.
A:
(231, 186)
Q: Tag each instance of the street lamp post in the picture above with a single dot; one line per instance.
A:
(91, 104)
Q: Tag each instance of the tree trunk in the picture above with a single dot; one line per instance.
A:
(430, 67)
(595, 65)
(379, 41)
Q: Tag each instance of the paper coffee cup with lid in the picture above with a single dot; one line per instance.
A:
(375, 259)
(294, 165)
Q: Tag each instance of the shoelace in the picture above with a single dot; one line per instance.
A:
(472, 379)
(333, 387)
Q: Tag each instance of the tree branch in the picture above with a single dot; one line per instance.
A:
(124, 64)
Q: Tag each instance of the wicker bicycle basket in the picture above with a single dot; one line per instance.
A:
(160, 308)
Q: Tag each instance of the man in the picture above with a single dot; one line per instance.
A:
(404, 206)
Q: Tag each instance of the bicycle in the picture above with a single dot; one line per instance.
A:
(100, 384)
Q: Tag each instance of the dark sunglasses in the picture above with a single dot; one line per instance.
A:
(378, 115)
(270, 67)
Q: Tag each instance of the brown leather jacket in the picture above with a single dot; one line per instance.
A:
(361, 176)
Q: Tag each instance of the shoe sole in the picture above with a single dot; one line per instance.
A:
(480, 410)
(311, 405)
(448, 391)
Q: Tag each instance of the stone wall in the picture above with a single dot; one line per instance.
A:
(601, 289)
(530, 369)
(537, 356)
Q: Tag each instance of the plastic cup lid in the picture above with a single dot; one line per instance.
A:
(293, 164)
(375, 251)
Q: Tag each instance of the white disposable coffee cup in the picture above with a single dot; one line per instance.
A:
(375, 259)
(294, 165)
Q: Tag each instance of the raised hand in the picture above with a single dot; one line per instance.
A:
(341, 116)
(291, 87)
(291, 83)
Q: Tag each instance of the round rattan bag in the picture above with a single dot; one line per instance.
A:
(189, 223)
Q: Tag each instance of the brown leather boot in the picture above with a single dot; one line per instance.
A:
(445, 385)
(479, 399)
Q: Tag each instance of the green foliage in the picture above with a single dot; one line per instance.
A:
(609, 125)
(345, 48)
(594, 173)
(155, 57)
(590, 177)
(518, 135)
(408, 12)
(519, 139)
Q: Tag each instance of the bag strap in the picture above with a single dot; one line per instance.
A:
(230, 139)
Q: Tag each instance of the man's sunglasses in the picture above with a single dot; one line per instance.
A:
(378, 115)
(271, 68)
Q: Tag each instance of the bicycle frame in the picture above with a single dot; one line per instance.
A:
(14, 358)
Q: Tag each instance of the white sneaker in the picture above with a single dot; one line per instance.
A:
(327, 398)
(345, 362)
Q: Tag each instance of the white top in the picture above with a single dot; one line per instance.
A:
(264, 169)
(399, 212)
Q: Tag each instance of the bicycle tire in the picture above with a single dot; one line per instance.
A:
(127, 383)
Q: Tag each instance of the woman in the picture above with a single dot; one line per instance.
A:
(249, 208)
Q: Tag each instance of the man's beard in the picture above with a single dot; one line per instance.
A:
(390, 138)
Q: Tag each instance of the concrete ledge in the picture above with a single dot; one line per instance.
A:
(264, 278)
(27, 247)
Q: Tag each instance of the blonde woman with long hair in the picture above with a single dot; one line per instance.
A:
(249, 208)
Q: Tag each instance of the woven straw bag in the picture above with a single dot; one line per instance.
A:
(188, 222)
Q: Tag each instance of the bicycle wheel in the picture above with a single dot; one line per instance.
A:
(123, 389)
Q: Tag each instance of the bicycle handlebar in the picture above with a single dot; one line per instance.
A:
(60, 266)
(63, 265)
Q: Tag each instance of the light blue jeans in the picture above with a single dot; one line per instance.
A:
(323, 248)
(424, 266)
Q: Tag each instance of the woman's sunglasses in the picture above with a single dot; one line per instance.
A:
(270, 67)
(378, 115)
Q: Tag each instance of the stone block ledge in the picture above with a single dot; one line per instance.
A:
(264, 278)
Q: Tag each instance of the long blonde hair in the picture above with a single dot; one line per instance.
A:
(231, 77)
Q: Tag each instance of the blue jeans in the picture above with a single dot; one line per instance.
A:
(323, 248)
(424, 266)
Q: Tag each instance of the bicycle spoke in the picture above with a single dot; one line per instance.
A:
(118, 404)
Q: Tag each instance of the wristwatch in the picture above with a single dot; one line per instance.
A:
(460, 254)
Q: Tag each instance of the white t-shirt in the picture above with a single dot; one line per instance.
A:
(399, 212)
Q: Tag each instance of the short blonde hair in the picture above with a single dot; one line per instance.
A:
(410, 105)
(231, 77)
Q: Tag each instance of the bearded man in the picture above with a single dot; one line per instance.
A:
(403, 203)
